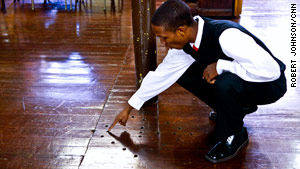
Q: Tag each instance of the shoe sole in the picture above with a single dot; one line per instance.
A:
(229, 157)
(213, 118)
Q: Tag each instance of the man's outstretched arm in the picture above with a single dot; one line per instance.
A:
(166, 74)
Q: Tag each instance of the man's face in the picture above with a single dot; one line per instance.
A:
(170, 39)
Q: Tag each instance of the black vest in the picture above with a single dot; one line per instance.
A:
(210, 50)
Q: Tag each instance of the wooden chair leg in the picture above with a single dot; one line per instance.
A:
(32, 4)
(2, 5)
(105, 5)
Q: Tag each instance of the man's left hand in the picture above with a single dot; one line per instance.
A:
(210, 73)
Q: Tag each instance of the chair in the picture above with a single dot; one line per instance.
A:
(32, 4)
(2, 5)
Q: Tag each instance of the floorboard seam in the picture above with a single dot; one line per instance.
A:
(115, 81)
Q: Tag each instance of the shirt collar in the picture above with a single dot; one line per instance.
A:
(196, 44)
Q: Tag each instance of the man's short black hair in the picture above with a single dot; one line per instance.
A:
(172, 14)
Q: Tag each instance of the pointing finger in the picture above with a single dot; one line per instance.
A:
(113, 124)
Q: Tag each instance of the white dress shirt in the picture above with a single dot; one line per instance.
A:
(250, 62)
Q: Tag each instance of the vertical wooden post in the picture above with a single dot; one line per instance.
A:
(143, 37)
(238, 7)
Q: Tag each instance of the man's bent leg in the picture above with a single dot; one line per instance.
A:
(230, 94)
(192, 81)
(233, 94)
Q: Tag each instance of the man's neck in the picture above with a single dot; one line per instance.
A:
(193, 32)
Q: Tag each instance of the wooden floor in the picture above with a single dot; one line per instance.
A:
(64, 75)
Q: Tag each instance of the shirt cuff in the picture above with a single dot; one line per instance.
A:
(223, 65)
(135, 102)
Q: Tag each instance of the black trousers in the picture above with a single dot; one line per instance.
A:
(229, 95)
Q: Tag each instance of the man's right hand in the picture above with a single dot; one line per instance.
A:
(122, 117)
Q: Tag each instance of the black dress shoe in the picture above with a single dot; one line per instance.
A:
(227, 149)
(213, 115)
(247, 110)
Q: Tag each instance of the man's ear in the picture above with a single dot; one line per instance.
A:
(181, 31)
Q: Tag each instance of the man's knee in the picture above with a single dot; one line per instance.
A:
(227, 82)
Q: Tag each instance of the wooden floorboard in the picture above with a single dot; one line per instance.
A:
(65, 74)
